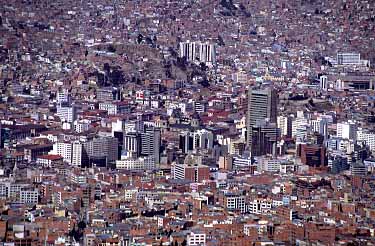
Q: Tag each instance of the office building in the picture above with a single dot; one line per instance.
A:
(132, 144)
(107, 94)
(66, 112)
(72, 152)
(347, 130)
(264, 138)
(338, 164)
(262, 104)
(102, 150)
(186, 142)
(151, 141)
(29, 196)
(358, 169)
(235, 201)
(285, 125)
(195, 238)
(312, 155)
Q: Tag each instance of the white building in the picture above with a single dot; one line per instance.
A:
(320, 125)
(348, 59)
(137, 164)
(285, 125)
(203, 139)
(299, 121)
(259, 206)
(235, 202)
(198, 52)
(70, 151)
(347, 130)
(81, 125)
(62, 96)
(196, 239)
(66, 112)
(367, 137)
(323, 83)
(29, 196)
(115, 108)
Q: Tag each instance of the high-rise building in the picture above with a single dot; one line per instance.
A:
(264, 138)
(262, 104)
(203, 139)
(132, 144)
(63, 96)
(71, 151)
(151, 140)
(186, 141)
(285, 125)
(323, 82)
(347, 130)
(66, 112)
(102, 148)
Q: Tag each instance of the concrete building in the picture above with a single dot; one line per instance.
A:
(262, 104)
(347, 130)
(193, 173)
(66, 112)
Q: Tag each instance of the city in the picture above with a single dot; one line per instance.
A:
(187, 122)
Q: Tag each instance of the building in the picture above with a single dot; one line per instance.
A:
(63, 96)
(338, 164)
(347, 130)
(195, 238)
(284, 122)
(72, 152)
(358, 169)
(203, 139)
(81, 125)
(29, 196)
(348, 59)
(132, 144)
(186, 141)
(312, 155)
(114, 108)
(262, 104)
(66, 112)
(235, 201)
(264, 138)
(193, 173)
(107, 94)
(151, 141)
(49, 160)
(200, 106)
(102, 150)
(323, 82)
(198, 52)
(136, 164)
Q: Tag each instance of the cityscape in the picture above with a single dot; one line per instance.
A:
(187, 122)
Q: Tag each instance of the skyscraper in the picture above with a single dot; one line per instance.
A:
(150, 140)
(262, 104)
(132, 144)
